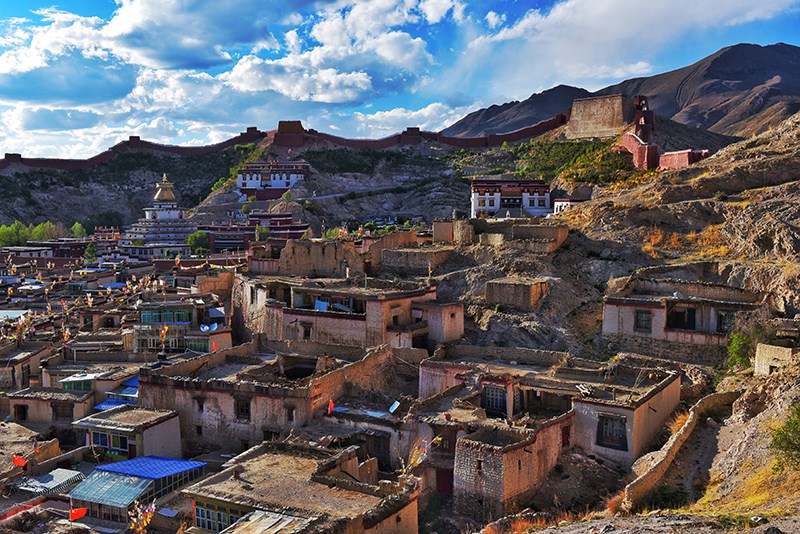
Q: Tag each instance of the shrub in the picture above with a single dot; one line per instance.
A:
(786, 439)
(739, 348)
(677, 421)
(614, 503)
(720, 196)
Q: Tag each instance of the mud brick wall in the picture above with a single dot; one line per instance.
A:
(598, 117)
(681, 352)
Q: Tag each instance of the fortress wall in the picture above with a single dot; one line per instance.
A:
(133, 143)
(599, 117)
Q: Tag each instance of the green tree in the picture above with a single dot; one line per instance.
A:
(263, 233)
(44, 231)
(77, 230)
(739, 348)
(245, 209)
(198, 240)
(287, 196)
(786, 439)
(91, 253)
(21, 233)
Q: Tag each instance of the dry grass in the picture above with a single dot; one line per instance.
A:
(712, 242)
(614, 503)
(652, 241)
(521, 525)
(677, 421)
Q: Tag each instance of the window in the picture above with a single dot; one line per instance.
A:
(494, 399)
(644, 321)
(290, 414)
(541, 202)
(252, 295)
(119, 442)
(198, 430)
(206, 517)
(682, 318)
(530, 203)
(481, 202)
(100, 439)
(243, 409)
(725, 320)
(62, 412)
(519, 465)
(306, 331)
(200, 401)
(479, 465)
(491, 202)
(611, 432)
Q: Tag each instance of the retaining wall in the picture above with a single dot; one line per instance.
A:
(646, 482)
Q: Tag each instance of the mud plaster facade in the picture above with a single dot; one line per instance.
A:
(642, 420)
(210, 411)
(520, 293)
(458, 231)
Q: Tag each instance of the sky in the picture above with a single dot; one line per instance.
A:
(78, 76)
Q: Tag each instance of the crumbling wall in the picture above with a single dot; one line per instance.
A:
(602, 116)
(414, 261)
(659, 462)
(304, 257)
(711, 355)
(520, 293)
(771, 357)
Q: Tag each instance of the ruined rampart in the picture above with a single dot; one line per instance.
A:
(602, 116)
(660, 461)
(134, 143)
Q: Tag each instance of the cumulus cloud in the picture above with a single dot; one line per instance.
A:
(494, 19)
(435, 10)
(433, 117)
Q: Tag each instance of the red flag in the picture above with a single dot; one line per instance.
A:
(19, 460)
(77, 513)
(330, 406)
(213, 346)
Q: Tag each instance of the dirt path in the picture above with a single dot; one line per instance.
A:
(690, 469)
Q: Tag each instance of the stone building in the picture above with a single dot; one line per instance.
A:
(163, 230)
(516, 292)
(129, 431)
(316, 490)
(337, 312)
(677, 312)
(233, 399)
(513, 197)
(771, 357)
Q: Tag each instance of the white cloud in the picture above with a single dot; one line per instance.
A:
(435, 10)
(494, 19)
(253, 74)
(433, 117)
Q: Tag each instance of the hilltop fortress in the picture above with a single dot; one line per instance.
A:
(588, 118)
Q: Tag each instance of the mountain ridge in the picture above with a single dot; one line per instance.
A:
(739, 90)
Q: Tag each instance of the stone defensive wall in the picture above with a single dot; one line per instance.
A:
(292, 134)
(602, 116)
(659, 461)
(134, 142)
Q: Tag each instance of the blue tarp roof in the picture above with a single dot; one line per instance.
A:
(114, 284)
(127, 391)
(110, 489)
(151, 467)
(132, 382)
(112, 403)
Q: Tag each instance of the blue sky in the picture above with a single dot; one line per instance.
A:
(78, 76)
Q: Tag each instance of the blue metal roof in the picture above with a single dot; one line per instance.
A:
(132, 382)
(150, 467)
(112, 403)
(110, 489)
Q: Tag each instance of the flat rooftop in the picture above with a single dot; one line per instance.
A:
(276, 480)
(51, 394)
(129, 418)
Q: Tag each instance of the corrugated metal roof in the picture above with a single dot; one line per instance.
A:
(263, 522)
(151, 467)
(55, 481)
(112, 403)
(132, 382)
(110, 489)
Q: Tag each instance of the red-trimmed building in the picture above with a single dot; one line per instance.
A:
(513, 197)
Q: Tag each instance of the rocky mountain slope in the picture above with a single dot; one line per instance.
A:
(514, 115)
(739, 90)
(123, 186)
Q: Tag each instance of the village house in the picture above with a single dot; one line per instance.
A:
(315, 490)
(46, 407)
(128, 431)
(548, 400)
(234, 398)
(649, 315)
(18, 440)
(337, 312)
(20, 363)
